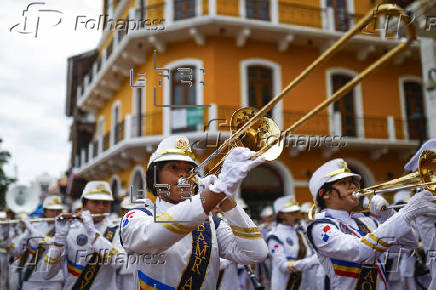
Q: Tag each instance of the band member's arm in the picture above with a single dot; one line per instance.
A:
(239, 239)
(52, 261)
(141, 232)
(275, 246)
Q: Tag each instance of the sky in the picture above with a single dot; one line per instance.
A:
(33, 124)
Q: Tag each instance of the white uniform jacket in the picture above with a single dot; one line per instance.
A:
(284, 246)
(32, 246)
(186, 254)
(351, 253)
(77, 252)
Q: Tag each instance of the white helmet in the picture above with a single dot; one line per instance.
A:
(97, 190)
(126, 204)
(267, 211)
(286, 204)
(175, 148)
(330, 171)
(52, 202)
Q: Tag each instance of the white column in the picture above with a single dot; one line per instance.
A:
(213, 113)
(391, 127)
(90, 150)
(274, 12)
(331, 19)
(428, 52)
(127, 127)
(82, 156)
(338, 123)
(169, 12)
(212, 7)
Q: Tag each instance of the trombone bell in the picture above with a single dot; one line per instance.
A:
(263, 132)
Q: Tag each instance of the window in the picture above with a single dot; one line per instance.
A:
(183, 92)
(260, 188)
(259, 86)
(345, 106)
(340, 14)
(257, 9)
(184, 9)
(416, 119)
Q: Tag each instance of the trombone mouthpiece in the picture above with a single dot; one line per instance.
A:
(357, 194)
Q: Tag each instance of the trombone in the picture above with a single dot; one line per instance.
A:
(245, 121)
(36, 220)
(424, 177)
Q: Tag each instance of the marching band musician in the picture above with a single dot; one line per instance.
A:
(125, 279)
(426, 225)
(293, 261)
(41, 234)
(85, 249)
(349, 245)
(181, 230)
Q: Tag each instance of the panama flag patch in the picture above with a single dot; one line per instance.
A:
(325, 237)
(275, 248)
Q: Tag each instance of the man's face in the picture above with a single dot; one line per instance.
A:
(267, 219)
(170, 174)
(341, 194)
(289, 218)
(51, 213)
(98, 206)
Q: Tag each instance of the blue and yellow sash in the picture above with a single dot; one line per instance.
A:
(195, 272)
(90, 271)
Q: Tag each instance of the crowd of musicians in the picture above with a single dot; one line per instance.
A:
(196, 236)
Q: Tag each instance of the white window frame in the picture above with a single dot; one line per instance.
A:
(198, 64)
(358, 102)
(116, 104)
(277, 111)
(402, 95)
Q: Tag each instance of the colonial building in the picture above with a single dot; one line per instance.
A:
(220, 55)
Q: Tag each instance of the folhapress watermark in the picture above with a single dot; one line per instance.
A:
(104, 22)
(35, 16)
(430, 23)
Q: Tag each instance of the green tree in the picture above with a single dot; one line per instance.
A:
(4, 180)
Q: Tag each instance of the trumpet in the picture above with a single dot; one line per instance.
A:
(249, 119)
(37, 220)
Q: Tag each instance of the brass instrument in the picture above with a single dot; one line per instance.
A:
(424, 177)
(36, 220)
(244, 128)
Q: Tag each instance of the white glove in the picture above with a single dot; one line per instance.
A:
(378, 208)
(61, 231)
(88, 223)
(235, 168)
(204, 183)
(420, 204)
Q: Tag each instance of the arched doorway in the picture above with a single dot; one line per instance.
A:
(260, 188)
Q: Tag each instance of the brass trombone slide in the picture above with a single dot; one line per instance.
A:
(389, 9)
(384, 9)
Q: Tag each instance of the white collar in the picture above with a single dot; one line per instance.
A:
(162, 205)
(337, 213)
(285, 227)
